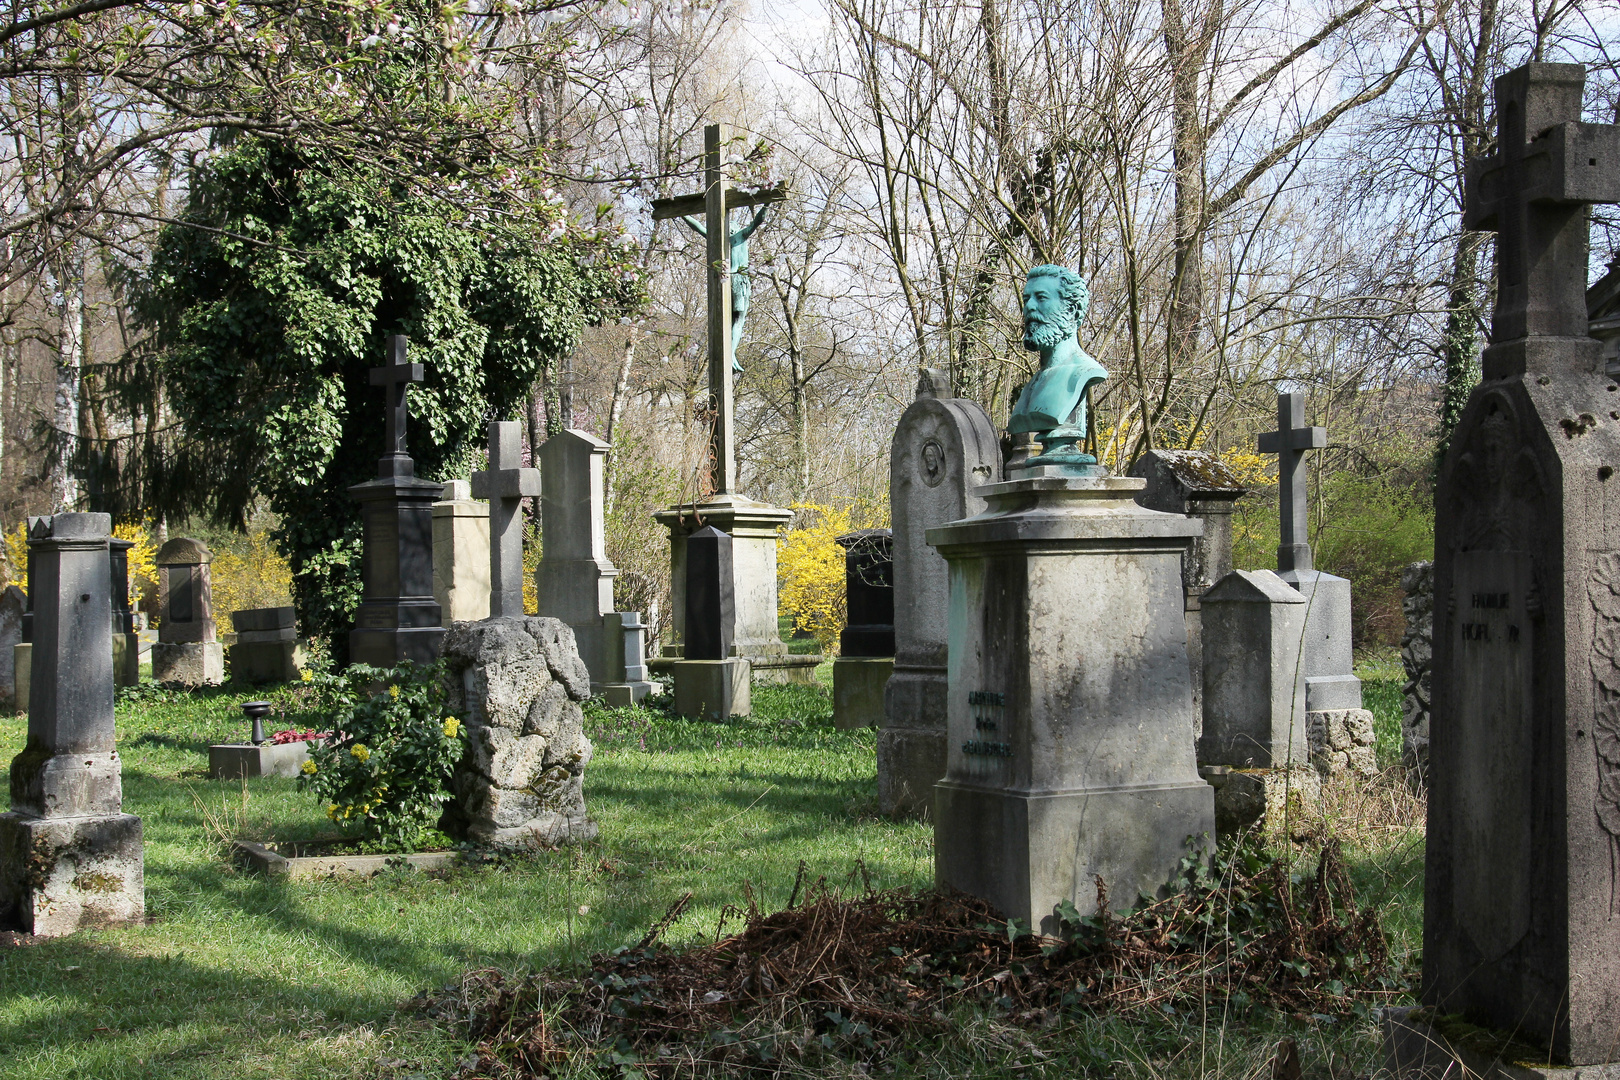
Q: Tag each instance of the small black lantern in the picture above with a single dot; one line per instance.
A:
(257, 711)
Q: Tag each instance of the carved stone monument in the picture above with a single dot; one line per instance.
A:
(266, 648)
(866, 645)
(944, 449)
(461, 554)
(187, 651)
(1417, 657)
(711, 682)
(626, 675)
(69, 855)
(575, 577)
(1199, 485)
(398, 618)
(1069, 700)
(753, 526)
(1521, 887)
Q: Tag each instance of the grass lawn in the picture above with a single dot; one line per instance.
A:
(237, 976)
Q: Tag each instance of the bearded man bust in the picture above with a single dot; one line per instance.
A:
(1053, 404)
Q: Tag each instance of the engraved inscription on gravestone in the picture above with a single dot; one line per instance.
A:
(1493, 651)
(988, 710)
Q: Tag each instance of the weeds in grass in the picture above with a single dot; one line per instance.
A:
(860, 979)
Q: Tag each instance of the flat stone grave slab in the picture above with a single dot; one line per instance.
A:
(295, 866)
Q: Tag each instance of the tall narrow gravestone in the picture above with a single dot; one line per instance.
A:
(944, 450)
(461, 555)
(575, 578)
(69, 856)
(1521, 913)
(126, 643)
(866, 645)
(398, 618)
(187, 651)
(710, 683)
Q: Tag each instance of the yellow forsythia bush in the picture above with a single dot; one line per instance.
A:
(142, 557)
(810, 567)
(249, 573)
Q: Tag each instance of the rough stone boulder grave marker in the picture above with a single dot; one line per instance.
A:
(710, 682)
(575, 578)
(1072, 731)
(866, 645)
(1255, 749)
(1342, 741)
(187, 651)
(506, 483)
(1417, 657)
(126, 642)
(398, 618)
(517, 682)
(944, 449)
(266, 648)
(1198, 484)
(461, 554)
(1521, 888)
(69, 856)
(753, 526)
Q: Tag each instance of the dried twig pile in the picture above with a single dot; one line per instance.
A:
(857, 977)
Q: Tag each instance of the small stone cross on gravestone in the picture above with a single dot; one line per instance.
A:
(1535, 192)
(715, 202)
(395, 377)
(1289, 442)
(505, 484)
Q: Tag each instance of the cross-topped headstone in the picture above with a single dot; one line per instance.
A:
(505, 484)
(1289, 442)
(1536, 191)
(715, 201)
(395, 377)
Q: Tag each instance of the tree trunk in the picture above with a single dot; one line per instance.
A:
(1186, 48)
(69, 372)
(621, 386)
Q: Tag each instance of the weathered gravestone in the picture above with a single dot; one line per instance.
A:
(126, 643)
(753, 526)
(517, 682)
(944, 449)
(575, 578)
(506, 483)
(1254, 748)
(187, 651)
(866, 644)
(398, 618)
(1417, 657)
(461, 554)
(13, 601)
(1069, 700)
(1339, 728)
(69, 856)
(626, 674)
(23, 652)
(1198, 484)
(1521, 887)
(710, 682)
(266, 647)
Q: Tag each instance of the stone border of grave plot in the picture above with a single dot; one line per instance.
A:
(318, 867)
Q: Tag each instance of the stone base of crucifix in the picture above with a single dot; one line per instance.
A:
(398, 618)
(752, 527)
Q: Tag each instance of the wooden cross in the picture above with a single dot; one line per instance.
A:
(505, 484)
(1289, 442)
(395, 378)
(715, 201)
(1536, 191)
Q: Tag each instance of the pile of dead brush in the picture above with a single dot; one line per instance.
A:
(858, 977)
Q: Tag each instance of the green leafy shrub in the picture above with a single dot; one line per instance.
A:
(385, 771)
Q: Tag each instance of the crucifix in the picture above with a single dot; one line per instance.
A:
(1289, 442)
(1536, 191)
(715, 202)
(395, 377)
(505, 484)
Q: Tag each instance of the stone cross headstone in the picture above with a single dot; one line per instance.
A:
(944, 449)
(69, 855)
(575, 578)
(398, 618)
(187, 651)
(710, 683)
(1521, 913)
(1290, 442)
(866, 644)
(461, 555)
(506, 483)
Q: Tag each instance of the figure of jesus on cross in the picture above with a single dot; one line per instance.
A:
(741, 284)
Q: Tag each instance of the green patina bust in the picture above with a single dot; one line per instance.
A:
(1053, 404)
